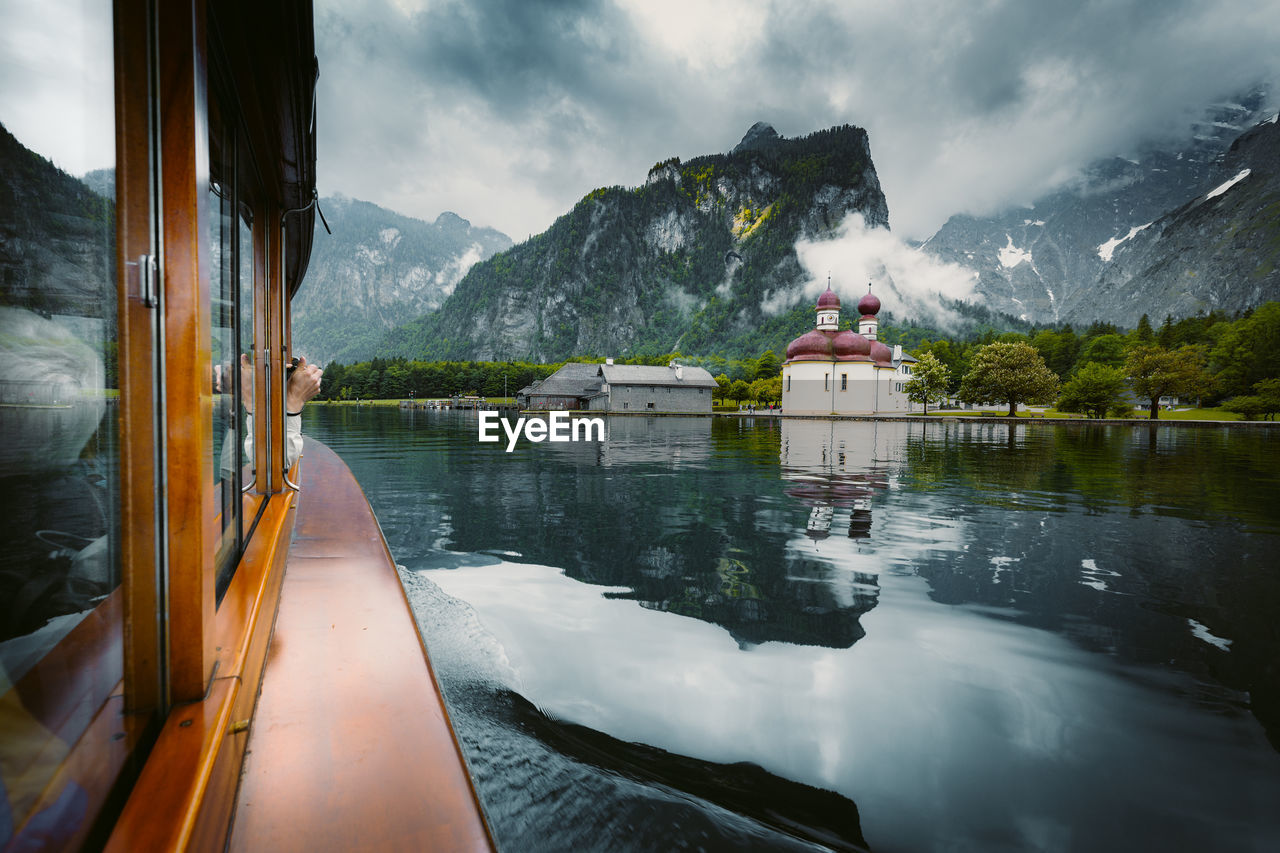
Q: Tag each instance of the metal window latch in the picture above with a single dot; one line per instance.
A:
(147, 280)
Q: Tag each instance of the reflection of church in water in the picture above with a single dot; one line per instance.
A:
(832, 468)
(833, 475)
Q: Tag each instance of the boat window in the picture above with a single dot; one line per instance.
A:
(228, 412)
(246, 330)
(232, 265)
(60, 622)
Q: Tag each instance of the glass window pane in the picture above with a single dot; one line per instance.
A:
(225, 451)
(60, 628)
(244, 322)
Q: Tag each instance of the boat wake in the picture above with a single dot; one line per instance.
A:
(549, 784)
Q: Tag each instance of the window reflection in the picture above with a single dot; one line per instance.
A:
(228, 414)
(232, 183)
(59, 462)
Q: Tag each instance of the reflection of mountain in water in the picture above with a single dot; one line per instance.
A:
(699, 541)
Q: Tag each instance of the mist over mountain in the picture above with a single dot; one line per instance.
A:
(692, 260)
(1044, 261)
(378, 270)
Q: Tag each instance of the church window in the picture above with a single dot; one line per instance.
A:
(844, 382)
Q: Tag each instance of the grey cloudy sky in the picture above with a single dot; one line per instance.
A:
(508, 112)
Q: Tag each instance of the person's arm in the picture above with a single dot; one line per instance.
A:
(304, 383)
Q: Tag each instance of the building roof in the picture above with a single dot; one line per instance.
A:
(640, 374)
(572, 380)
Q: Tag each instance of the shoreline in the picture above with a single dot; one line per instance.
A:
(886, 416)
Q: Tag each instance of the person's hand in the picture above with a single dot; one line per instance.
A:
(304, 384)
(246, 382)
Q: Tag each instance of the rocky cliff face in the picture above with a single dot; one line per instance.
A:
(1218, 251)
(1040, 262)
(682, 261)
(378, 270)
(57, 238)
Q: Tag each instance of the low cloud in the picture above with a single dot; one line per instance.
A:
(910, 283)
(509, 111)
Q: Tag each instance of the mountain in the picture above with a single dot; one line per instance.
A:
(1040, 262)
(1219, 251)
(378, 270)
(683, 261)
(57, 238)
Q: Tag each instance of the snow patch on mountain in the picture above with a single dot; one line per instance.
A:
(1222, 188)
(1107, 249)
(1011, 255)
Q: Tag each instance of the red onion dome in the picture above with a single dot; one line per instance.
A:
(880, 353)
(811, 346)
(829, 300)
(869, 305)
(851, 345)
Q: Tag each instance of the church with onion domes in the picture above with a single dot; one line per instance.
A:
(834, 371)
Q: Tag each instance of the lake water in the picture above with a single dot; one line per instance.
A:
(764, 634)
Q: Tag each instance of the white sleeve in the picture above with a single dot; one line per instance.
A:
(248, 440)
(292, 440)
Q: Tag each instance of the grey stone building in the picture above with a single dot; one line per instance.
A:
(612, 387)
(568, 389)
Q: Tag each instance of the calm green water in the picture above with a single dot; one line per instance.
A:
(727, 634)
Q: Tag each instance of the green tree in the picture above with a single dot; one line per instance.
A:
(768, 365)
(1106, 349)
(929, 381)
(766, 390)
(723, 386)
(1262, 404)
(950, 355)
(739, 391)
(1059, 349)
(1094, 390)
(1154, 373)
(1143, 334)
(1247, 350)
(395, 382)
(1008, 373)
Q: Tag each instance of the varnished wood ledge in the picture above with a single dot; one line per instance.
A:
(351, 746)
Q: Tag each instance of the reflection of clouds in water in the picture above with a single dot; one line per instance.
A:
(987, 722)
